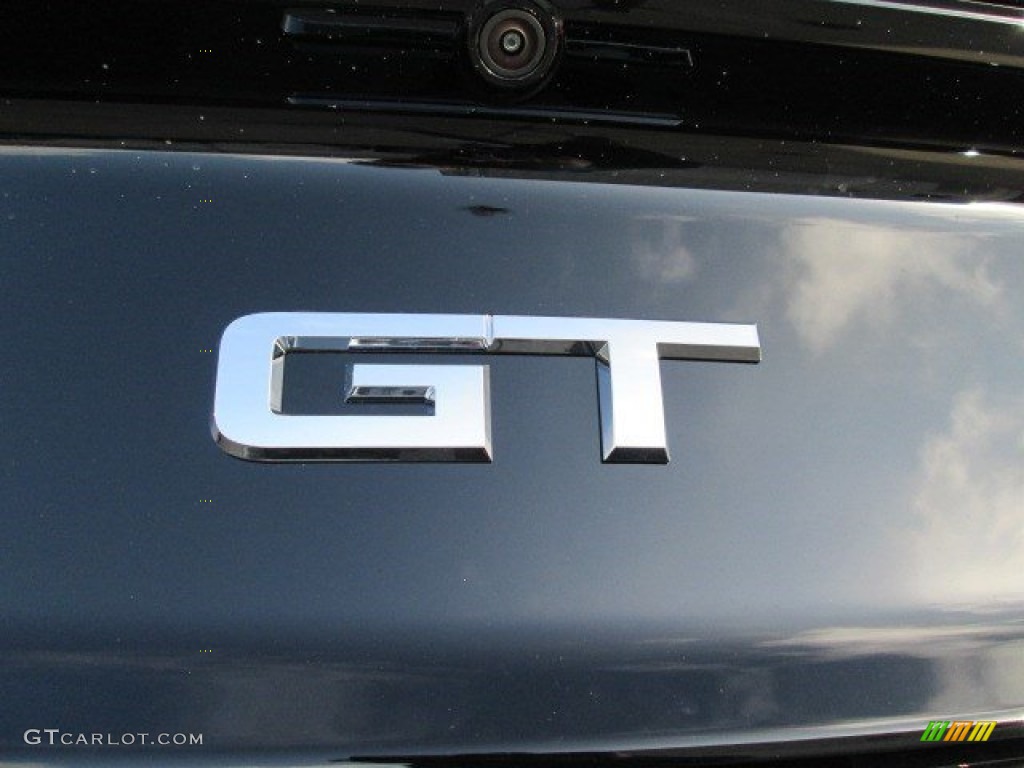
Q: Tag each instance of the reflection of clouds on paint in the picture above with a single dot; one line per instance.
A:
(969, 502)
(663, 257)
(975, 665)
(909, 640)
(850, 272)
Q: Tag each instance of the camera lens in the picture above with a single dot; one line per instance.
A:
(514, 45)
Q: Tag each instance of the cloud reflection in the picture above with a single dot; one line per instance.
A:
(849, 272)
(659, 251)
(969, 501)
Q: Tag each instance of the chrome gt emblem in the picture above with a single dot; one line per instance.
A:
(248, 421)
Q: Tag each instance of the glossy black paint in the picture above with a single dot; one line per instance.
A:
(789, 575)
(832, 559)
(943, 74)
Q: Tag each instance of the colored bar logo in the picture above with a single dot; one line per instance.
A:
(958, 730)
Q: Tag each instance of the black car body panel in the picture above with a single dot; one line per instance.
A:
(832, 558)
